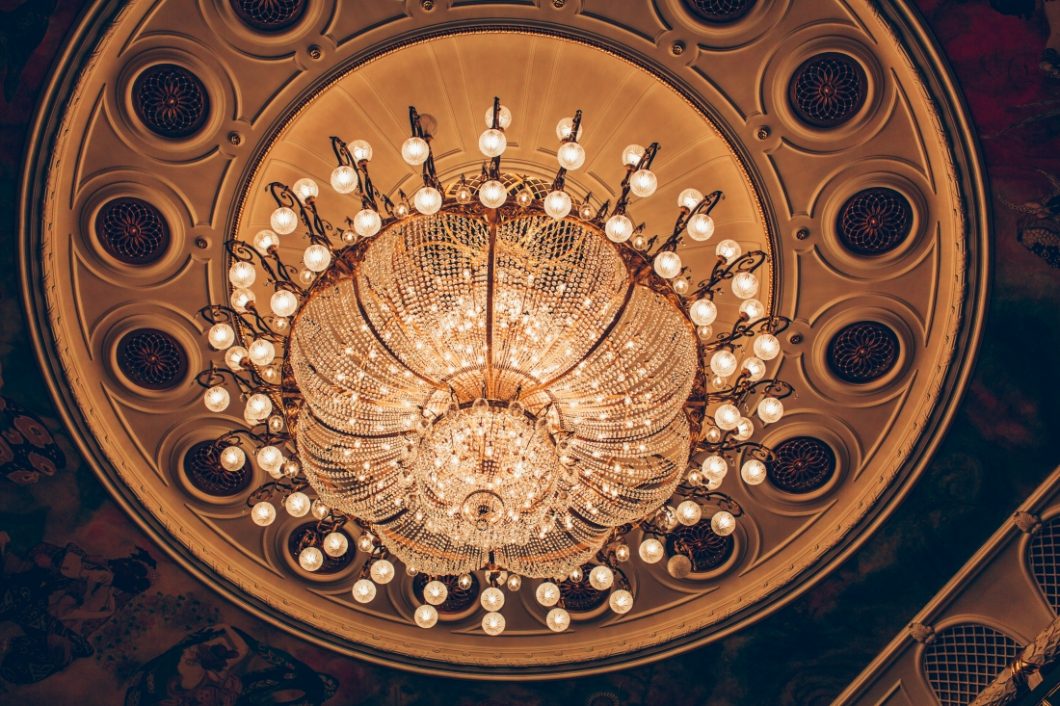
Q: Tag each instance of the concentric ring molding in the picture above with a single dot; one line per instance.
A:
(75, 141)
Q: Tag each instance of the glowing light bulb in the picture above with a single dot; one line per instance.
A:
(618, 228)
(235, 357)
(262, 351)
(727, 417)
(700, 227)
(679, 566)
(770, 410)
(492, 194)
(242, 274)
(565, 127)
(515, 582)
(283, 302)
(723, 363)
(305, 188)
(728, 249)
(415, 151)
(367, 223)
(755, 368)
(263, 513)
(241, 298)
(258, 406)
(435, 592)
(504, 117)
(689, 513)
(265, 240)
(221, 336)
(744, 285)
(233, 458)
(310, 558)
(651, 551)
(335, 544)
(744, 429)
(283, 220)
(216, 399)
(557, 204)
(363, 591)
(493, 624)
(344, 179)
(557, 620)
(643, 183)
(689, 198)
(766, 346)
(570, 156)
(492, 599)
(753, 472)
(361, 151)
(667, 264)
(714, 467)
(382, 571)
(752, 309)
(723, 523)
(703, 312)
(297, 504)
(547, 594)
(492, 143)
(316, 258)
(601, 577)
(269, 458)
(426, 616)
(427, 200)
(621, 601)
(631, 155)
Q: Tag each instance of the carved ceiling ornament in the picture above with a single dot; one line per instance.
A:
(719, 112)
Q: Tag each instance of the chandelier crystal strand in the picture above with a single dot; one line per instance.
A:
(516, 387)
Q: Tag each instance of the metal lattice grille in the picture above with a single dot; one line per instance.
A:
(874, 221)
(202, 466)
(719, 11)
(269, 15)
(828, 89)
(1043, 556)
(132, 231)
(701, 544)
(863, 352)
(457, 600)
(803, 464)
(152, 359)
(170, 100)
(963, 659)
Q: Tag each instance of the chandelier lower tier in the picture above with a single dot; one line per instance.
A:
(500, 377)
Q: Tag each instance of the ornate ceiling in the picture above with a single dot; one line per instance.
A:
(832, 128)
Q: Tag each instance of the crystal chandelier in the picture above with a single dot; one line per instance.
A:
(498, 376)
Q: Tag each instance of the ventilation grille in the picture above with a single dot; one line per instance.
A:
(1043, 556)
(964, 659)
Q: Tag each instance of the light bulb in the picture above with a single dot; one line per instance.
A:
(464, 581)
(744, 429)
(310, 558)
(753, 472)
(643, 183)
(259, 406)
(667, 264)
(270, 458)
(492, 599)
(622, 552)
(557, 204)
(382, 571)
(723, 363)
(766, 346)
(756, 369)
(557, 620)
(770, 410)
(265, 240)
(744, 285)
(700, 227)
(297, 504)
(427, 200)
(492, 194)
(216, 399)
(283, 302)
(689, 512)
(235, 357)
(564, 128)
(336, 544)
(361, 151)
(727, 417)
(435, 592)
(752, 309)
(601, 577)
(651, 551)
(367, 223)
(305, 188)
(263, 513)
(723, 523)
(504, 117)
(576, 574)
(689, 198)
(515, 582)
(241, 298)
(631, 155)
(703, 312)
(570, 156)
(261, 351)
(233, 458)
(344, 179)
(242, 274)
(363, 591)
(618, 228)
(492, 143)
(415, 151)
(621, 601)
(319, 510)
(547, 594)
(426, 616)
(221, 336)
(714, 467)
(679, 566)
(316, 258)
(729, 250)
(493, 624)
(681, 286)
(283, 220)
(463, 194)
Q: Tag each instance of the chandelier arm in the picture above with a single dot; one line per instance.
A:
(643, 163)
(748, 262)
(491, 266)
(705, 205)
(220, 313)
(285, 486)
(743, 328)
(279, 273)
(216, 375)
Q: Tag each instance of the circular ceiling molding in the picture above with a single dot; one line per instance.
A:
(897, 242)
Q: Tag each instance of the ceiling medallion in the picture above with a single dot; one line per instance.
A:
(493, 381)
